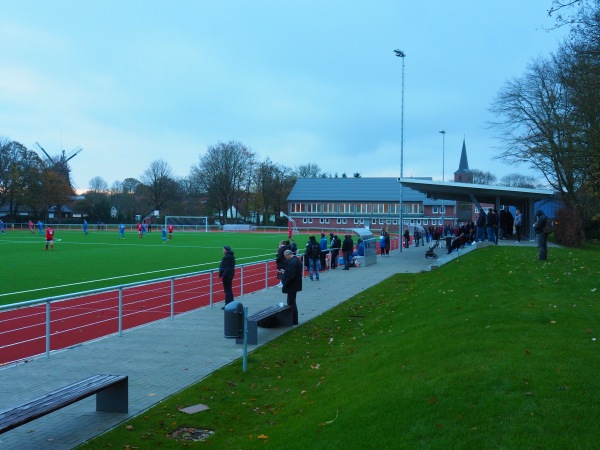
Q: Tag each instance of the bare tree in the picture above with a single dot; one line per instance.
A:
(481, 177)
(98, 185)
(310, 170)
(523, 181)
(535, 121)
(159, 184)
(223, 173)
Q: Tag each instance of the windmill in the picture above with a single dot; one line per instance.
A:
(59, 164)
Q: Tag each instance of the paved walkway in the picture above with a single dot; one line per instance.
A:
(165, 357)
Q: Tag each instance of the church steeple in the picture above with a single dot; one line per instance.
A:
(463, 174)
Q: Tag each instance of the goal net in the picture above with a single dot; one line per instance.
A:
(188, 223)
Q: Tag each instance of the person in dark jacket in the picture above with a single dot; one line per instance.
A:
(347, 249)
(334, 245)
(313, 254)
(323, 255)
(292, 281)
(481, 219)
(540, 236)
(227, 272)
(281, 261)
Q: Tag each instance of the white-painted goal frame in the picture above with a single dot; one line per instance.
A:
(188, 223)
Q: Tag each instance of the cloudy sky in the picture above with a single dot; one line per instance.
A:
(296, 81)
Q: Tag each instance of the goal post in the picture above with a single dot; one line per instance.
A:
(188, 223)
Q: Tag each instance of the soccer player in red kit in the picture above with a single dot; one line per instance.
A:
(140, 229)
(170, 229)
(50, 238)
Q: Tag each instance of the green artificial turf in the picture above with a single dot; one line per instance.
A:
(101, 259)
(494, 350)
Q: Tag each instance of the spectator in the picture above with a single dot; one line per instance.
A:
(281, 261)
(540, 236)
(323, 256)
(334, 245)
(313, 253)
(388, 243)
(227, 272)
(518, 224)
(382, 243)
(292, 281)
(347, 248)
(481, 220)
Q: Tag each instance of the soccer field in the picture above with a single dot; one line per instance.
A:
(100, 259)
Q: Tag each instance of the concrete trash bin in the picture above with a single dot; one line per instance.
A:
(234, 319)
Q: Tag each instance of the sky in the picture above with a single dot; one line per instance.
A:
(297, 82)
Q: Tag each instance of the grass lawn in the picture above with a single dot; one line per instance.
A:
(101, 259)
(493, 350)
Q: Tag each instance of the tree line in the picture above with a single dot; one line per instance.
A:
(228, 183)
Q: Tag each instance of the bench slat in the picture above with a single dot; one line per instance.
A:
(264, 313)
(53, 401)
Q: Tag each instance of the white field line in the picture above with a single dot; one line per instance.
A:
(213, 264)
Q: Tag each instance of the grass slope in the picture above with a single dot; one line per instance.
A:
(101, 259)
(494, 350)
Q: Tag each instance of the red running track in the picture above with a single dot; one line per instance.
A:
(85, 318)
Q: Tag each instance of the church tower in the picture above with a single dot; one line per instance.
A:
(463, 174)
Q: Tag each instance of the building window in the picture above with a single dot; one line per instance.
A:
(434, 210)
(305, 220)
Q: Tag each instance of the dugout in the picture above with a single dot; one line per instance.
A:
(370, 245)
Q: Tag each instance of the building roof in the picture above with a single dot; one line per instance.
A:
(356, 190)
(482, 192)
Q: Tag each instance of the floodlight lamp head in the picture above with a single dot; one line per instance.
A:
(399, 53)
(443, 131)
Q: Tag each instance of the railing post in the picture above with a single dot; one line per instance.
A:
(242, 283)
(48, 329)
(172, 297)
(210, 287)
(120, 310)
(266, 275)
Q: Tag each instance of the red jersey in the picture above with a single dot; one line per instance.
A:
(140, 227)
(170, 228)
(49, 234)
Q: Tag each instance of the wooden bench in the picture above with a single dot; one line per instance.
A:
(111, 396)
(277, 315)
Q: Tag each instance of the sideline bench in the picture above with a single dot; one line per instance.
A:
(111, 396)
(273, 315)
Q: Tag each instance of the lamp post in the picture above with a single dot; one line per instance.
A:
(401, 54)
(443, 133)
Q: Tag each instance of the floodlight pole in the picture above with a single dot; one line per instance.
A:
(443, 133)
(401, 54)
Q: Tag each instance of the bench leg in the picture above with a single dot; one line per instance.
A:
(114, 398)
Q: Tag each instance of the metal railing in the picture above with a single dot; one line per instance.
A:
(36, 327)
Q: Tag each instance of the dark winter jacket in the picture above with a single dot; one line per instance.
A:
(292, 278)
(227, 266)
(540, 222)
(348, 244)
(280, 260)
